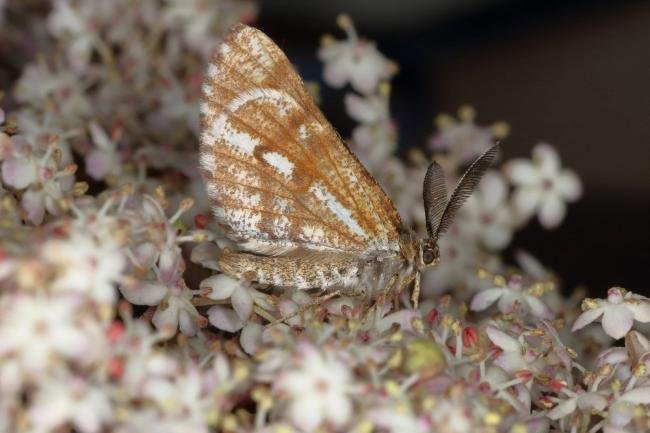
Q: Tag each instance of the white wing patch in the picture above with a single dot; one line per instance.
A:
(280, 163)
(342, 213)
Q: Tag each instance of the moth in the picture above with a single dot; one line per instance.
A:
(283, 185)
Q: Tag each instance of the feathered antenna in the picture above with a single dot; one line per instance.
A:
(435, 197)
(463, 190)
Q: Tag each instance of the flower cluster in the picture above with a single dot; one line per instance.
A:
(114, 315)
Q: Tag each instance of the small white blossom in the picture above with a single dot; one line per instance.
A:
(617, 313)
(86, 265)
(543, 186)
(511, 295)
(353, 60)
(487, 213)
(35, 330)
(316, 388)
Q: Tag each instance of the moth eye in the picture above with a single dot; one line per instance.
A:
(427, 256)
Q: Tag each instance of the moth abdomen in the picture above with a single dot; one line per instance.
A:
(326, 271)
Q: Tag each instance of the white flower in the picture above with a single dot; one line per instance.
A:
(375, 138)
(71, 400)
(43, 171)
(353, 60)
(219, 287)
(617, 313)
(35, 331)
(487, 214)
(86, 265)
(41, 86)
(509, 296)
(66, 21)
(103, 160)
(316, 388)
(543, 186)
(584, 400)
(515, 356)
(463, 139)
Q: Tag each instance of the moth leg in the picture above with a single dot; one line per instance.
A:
(415, 295)
(381, 298)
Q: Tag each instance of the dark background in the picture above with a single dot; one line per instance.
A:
(573, 73)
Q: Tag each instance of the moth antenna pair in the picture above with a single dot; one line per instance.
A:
(440, 212)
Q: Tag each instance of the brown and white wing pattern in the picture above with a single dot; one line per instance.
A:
(278, 176)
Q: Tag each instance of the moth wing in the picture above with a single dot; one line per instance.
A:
(278, 176)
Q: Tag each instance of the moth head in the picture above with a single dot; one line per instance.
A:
(439, 211)
(429, 254)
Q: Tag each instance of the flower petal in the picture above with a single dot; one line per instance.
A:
(563, 409)
(547, 160)
(145, 293)
(251, 337)
(19, 172)
(242, 302)
(225, 319)
(493, 190)
(591, 400)
(485, 298)
(525, 200)
(521, 172)
(360, 109)
(617, 321)
(639, 395)
(640, 310)
(586, 318)
(34, 204)
(306, 412)
(552, 211)
(568, 185)
(538, 307)
(502, 340)
(218, 287)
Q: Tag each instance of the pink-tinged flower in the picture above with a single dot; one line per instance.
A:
(353, 60)
(43, 172)
(315, 387)
(103, 159)
(62, 401)
(516, 355)
(44, 86)
(85, 265)
(374, 140)
(36, 330)
(509, 296)
(463, 139)
(617, 313)
(487, 214)
(543, 186)
(586, 401)
(66, 21)
(220, 287)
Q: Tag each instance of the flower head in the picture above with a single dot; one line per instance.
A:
(543, 186)
(353, 60)
(316, 388)
(617, 313)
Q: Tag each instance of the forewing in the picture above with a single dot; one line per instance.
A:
(278, 175)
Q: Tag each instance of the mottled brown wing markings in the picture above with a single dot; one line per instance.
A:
(297, 155)
(271, 175)
(327, 177)
(385, 211)
(283, 187)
